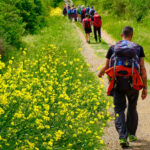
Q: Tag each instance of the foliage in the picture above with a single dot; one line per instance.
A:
(18, 17)
(31, 12)
(130, 9)
(55, 3)
(11, 25)
(50, 99)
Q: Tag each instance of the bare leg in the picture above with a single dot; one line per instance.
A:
(86, 37)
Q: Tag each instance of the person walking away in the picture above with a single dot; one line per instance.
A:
(65, 11)
(92, 12)
(69, 13)
(88, 10)
(79, 11)
(128, 76)
(83, 12)
(75, 14)
(97, 26)
(87, 27)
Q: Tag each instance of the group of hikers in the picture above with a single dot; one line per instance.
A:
(88, 17)
(125, 68)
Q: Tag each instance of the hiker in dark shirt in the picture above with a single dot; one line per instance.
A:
(65, 10)
(123, 87)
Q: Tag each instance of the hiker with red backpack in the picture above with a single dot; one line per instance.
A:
(97, 23)
(87, 27)
(126, 70)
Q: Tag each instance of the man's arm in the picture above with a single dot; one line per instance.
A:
(102, 71)
(144, 77)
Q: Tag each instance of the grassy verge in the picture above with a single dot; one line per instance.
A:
(148, 83)
(49, 98)
(141, 34)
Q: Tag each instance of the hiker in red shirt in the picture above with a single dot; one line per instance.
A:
(87, 27)
(97, 26)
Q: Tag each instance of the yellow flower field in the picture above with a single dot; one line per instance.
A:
(48, 98)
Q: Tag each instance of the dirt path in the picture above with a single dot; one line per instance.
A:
(111, 136)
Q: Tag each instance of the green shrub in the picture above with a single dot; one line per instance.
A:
(55, 3)
(11, 25)
(28, 12)
(20, 16)
(139, 9)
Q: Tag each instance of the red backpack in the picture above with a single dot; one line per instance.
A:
(83, 13)
(87, 23)
(97, 21)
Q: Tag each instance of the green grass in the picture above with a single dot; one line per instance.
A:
(114, 27)
(148, 83)
(49, 97)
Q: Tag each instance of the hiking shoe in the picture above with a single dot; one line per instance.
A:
(124, 143)
(132, 138)
(100, 40)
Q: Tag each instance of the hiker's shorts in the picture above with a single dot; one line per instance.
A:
(88, 30)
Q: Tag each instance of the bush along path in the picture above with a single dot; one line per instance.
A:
(111, 136)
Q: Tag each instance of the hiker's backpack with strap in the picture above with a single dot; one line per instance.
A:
(83, 13)
(92, 11)
(87, 10)
(75, 11)
(79, 10)
(97, 21)
(69, 11)
(87, 23)
(65, 10)
(126, 55)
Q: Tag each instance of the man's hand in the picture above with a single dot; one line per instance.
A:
(102, 71)
(100, 74)
(144, 94)
(144, 77)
